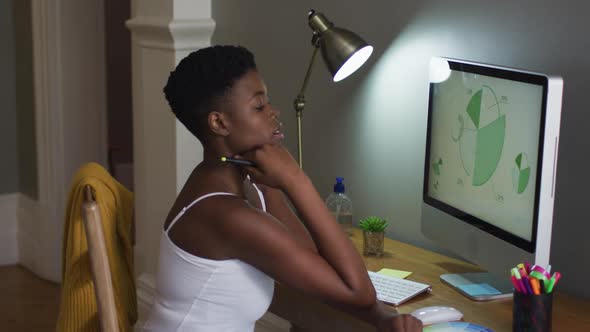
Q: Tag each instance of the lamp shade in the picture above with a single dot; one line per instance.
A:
(343, 51)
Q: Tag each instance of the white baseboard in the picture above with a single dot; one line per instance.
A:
(146, 291)
(9, 226)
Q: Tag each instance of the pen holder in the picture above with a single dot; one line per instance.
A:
(532, 312)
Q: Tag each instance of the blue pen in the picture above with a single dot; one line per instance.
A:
(527, 284)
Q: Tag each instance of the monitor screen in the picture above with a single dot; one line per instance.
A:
(484, 147)
(489, 168)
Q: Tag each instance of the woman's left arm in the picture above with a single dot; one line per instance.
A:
(278, 207)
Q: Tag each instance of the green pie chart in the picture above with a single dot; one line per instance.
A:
(481, 136)
(520, 173)
(436, 166)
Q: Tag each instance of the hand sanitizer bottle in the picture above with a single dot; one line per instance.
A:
(340, 206)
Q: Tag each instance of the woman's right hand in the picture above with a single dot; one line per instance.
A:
(275, 167)
(400, 323)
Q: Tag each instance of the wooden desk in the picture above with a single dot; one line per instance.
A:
(307, 314)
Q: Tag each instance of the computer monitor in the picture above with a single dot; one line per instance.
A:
(489, 171)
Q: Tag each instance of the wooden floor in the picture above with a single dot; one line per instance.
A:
(27, 303)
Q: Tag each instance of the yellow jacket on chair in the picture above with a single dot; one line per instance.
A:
(78, 310)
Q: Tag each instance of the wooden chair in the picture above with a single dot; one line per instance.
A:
(99, 263)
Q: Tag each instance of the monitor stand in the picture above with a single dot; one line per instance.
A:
(481, 286)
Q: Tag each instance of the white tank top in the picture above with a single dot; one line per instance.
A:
(198, 294)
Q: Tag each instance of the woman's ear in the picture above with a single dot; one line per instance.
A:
(218, 123)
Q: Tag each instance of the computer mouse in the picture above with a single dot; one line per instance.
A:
(437, 314)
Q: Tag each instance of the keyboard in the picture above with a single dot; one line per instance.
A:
(395, 290)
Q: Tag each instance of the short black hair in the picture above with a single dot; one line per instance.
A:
(201, 79)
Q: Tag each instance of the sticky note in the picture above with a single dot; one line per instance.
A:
(395, 273)
(479, 289)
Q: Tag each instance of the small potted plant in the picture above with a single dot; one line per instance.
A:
(373, 235)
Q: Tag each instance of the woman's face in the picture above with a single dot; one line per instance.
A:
(253, 121)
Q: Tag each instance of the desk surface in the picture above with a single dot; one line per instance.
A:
(306, 314)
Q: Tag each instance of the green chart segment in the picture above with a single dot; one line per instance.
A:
(482, 140)
(521, 173)
(436, 166)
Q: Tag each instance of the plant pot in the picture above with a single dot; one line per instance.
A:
(373, 243)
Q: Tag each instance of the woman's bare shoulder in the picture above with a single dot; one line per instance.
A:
(200, 229)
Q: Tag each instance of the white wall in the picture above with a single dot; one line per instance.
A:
(371, 127)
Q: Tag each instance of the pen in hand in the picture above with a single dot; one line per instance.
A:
(238, 161)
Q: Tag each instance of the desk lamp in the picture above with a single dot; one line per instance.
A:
(343, 51)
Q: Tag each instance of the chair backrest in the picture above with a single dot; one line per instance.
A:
(99, 263)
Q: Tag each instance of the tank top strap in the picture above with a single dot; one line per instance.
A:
(261, 197)
(181, 213)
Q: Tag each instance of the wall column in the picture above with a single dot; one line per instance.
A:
(163, 32)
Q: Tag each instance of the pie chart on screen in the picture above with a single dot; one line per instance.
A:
(521, 173)
(482, 129)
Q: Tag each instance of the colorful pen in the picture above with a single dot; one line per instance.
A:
(521, 283)
(516, 284)
(522, 270)
(535, 285)
(534, 279)
(527, 267)
(527, 283)
(538, 275)
(238, 161)
(554, 279)
(537, 269)
(550, 286)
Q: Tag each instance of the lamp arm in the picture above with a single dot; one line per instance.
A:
(299, 104)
